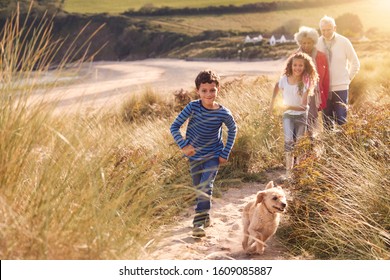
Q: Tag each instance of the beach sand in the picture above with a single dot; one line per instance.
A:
(103, 85)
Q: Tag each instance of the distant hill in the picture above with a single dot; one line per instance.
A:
(133, 35)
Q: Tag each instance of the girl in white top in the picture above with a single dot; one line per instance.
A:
(297, 83)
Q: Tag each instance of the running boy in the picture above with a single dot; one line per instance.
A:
(203, 143)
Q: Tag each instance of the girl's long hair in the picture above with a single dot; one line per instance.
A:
(309, 76)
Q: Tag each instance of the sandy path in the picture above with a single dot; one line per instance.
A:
(107, 84)
(224, 236)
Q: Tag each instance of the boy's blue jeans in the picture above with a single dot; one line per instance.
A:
(294, 127)
(203, 173)
(336, 109)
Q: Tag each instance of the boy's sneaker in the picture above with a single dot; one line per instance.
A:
(202, 219)
(198, 231)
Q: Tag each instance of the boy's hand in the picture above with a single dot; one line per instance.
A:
(189, 150)
(222, 160)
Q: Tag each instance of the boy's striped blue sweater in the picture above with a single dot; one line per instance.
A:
(204, 130)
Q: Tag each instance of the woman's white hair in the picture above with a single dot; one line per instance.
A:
(306, 32)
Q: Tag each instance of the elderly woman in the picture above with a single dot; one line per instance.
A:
(306, 39)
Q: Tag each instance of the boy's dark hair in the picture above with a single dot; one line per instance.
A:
(207, 76)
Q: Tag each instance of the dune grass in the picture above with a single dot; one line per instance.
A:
(96, 186)
(340, 200)
(340, 206)
(66, 185)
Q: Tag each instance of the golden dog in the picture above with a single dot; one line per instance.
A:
(261, 218)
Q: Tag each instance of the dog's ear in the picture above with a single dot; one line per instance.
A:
(260, 197)
(269, 185)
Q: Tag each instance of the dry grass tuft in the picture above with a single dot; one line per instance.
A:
(340, 207)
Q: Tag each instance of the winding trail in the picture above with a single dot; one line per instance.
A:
(103, 85)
